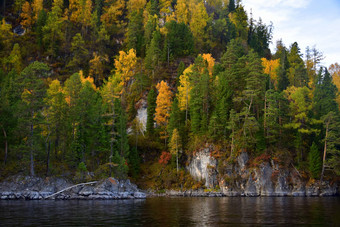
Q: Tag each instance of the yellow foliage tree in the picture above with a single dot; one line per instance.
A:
(175, 145)
(198, 22)
(166, 11)
(87, 13)
(14, 60)
(74, 9)
(87, 79)
(6, 36)
(135, 5)
(112, 13)
(163, 107)
(270, 67)
(111, 89)
(37, 6)
(97, 66)
(182, 12)
(26, 16)
(184, 89)
(81, 12)
(334, 70)
(126, 65)
(210, 61)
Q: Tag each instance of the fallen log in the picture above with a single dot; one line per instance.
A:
(68, 188)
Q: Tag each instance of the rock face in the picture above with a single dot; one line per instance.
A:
(203, 167)
(33, 188)
(142, 114)
(265, 179)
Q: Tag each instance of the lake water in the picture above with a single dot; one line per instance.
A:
(174, 212)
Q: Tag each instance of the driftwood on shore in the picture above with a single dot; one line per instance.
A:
(68, 188)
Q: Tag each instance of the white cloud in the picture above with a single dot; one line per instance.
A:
(308, 22)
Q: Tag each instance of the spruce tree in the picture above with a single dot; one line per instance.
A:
(314, 161)
(151, 100)
(32, 104)
(324, 95)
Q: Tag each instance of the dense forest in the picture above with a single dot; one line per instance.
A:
(75, 73)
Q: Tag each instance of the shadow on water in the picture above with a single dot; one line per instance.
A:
(174, 212)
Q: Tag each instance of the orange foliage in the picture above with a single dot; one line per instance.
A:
(26, 15)
(164, 158)
(260, 159)
(163, 106)
(270, 68)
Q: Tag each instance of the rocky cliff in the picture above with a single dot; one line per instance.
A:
(33, 188)
(267, 179)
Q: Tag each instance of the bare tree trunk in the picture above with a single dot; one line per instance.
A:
(232, 143)
(186, 107)
(6, 145)
(265, 115)
(324, 152)
(168, 55)
(48, 148)
(280, 119)
(31, 152)
(177, 154)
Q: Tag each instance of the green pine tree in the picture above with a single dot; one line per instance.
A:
(314, 161)
(151, 100)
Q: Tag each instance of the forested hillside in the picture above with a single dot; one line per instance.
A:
(74, 74)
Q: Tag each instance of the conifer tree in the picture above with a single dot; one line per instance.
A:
(126, 65)
(324, 95)
(26, 16)
(32, 104)
(163, 107)
(331, 154)
(113, 14)
(151, 100)
(110, 92)
(175, 145)
(52, 31)
(57, 115)
(37, 6)
(271, 68)
(6, 36)
(282, 54)
(14, 60)
(153, 53)
(314, 161)
(198, 23)
(134, 34)
(97, 66)
(80, 53)
(122, 145)
(297, 73)
(184, 89)
(334, 70)
(182, 11)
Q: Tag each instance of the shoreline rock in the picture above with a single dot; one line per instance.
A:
(35, 188)
(239, 178)
(325, 192)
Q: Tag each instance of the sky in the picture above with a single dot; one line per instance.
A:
(307, 22)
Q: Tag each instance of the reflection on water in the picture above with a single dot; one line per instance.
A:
(173, 212)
